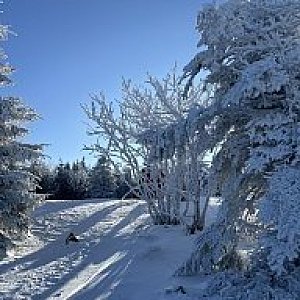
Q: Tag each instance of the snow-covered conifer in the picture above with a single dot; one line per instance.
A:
(17, 184)
(250, 51)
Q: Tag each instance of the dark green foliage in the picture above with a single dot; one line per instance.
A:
(70, 182)
(75, 181)
(101, 180)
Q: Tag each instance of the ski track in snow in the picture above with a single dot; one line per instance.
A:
(38, 274)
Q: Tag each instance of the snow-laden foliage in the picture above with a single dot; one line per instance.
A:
(244, 119)
(252, 285)
(280, 211)
(151, 135)
(5, 68)
(250, 50)
(17, 184)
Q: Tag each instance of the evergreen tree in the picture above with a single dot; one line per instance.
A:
(17, 184)
(79, 179)
(45, 177)
(250, 51)
(101, 181)
(63, 182)
(68, 182)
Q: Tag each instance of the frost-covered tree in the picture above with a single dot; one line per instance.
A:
(5, 68)
(149, 135)
(17, 183)
(250, 52)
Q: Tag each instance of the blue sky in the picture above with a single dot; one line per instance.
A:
(66, 49)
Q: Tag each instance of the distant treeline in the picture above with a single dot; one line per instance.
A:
(77, 180)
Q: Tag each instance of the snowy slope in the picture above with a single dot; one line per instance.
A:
(119, 256)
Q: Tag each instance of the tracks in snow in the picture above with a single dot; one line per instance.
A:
(53, 270)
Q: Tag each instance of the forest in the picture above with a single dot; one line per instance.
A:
(77, 180)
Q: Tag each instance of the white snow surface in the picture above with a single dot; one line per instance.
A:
(119, 256)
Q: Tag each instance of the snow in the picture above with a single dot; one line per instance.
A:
(120, 255)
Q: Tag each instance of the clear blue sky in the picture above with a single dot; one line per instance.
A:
(66, 49)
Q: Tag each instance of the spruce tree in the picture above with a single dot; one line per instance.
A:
(63, 185)
(17, 184)
(79, 179)
(250, 52)
(101, 181)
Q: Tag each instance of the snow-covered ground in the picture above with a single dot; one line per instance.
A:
(119, 256)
